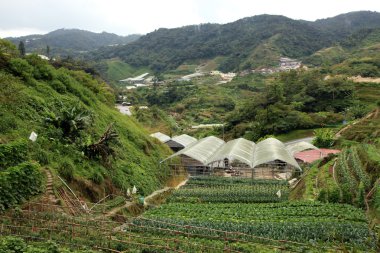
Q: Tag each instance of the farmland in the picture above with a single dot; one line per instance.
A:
(217, 209)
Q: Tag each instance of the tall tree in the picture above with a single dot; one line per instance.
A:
(48, 51)
(21, 48)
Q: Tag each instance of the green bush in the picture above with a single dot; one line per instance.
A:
(18, 183)
(324, 138)
(13, 153)
(334, 195)
(97, 177)
(66, 170)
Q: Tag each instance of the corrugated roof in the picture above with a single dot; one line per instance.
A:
(184, 139)
(310, 156)
(238, 149)
(300, 146)
(201, 150)
(161, 137)
(270, 150)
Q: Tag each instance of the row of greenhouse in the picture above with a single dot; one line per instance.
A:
(215, 152)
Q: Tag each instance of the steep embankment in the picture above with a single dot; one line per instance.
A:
(70, 111)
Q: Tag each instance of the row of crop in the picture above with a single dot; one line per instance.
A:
(343, 172)
(326, 233)
(357, 168)
(79, 232)
(231, 194)
(242, 212)
(18, 183)
(211, 181)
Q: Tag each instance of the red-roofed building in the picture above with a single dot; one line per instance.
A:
(310, 156)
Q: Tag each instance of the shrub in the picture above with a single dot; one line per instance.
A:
(324, 138)
(18, 183)
(334, 195)
(13, 153)
(58, 86)
(97, 177)
(66, 170)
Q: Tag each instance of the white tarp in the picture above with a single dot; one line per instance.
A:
(238, 149)
(201, 150)
(160, 136)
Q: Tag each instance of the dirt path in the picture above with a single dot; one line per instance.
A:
(49, 188)
(369, 115)
(153, 195)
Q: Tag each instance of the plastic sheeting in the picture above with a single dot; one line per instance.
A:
(184, 139)
(300, 146)
(238, 149)
(161, 137)
(201, 150)
(212, 149)
(270, 150)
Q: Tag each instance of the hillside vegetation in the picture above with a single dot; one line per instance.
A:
(71, 42)
(81, 137)
(246, 43)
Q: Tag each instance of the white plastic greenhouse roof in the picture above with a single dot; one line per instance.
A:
(300, 146)
(270, 150)
(238, 149)
(201, 150)
(212, 149)
(184, 139)
(161, 137)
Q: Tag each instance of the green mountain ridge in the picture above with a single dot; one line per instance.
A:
(71, 42)
(240, 41)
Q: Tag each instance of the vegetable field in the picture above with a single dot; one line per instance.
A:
(249, 212)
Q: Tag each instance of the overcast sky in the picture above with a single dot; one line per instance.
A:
(123, 17)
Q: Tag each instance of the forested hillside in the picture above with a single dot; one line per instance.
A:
(247, 43)
(80, 136)
(71, 42)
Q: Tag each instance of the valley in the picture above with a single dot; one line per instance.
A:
(259, 135)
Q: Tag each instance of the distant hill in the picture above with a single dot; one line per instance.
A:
(72, 41)
(246, 43)
(345, 24)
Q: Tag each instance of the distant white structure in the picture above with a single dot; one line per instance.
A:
(287, 63)
(135, 80)
(207, 126)
(191, 76)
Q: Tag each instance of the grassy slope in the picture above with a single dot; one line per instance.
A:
(27, 101)
(118, 70)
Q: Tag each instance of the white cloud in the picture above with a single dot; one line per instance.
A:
(142, 16)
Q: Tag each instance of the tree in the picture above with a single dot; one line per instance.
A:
(21, 48)
(48, 51)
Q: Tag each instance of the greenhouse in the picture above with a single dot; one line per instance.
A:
(300, 146)
(179, 142)
(240, 157)
(161, 137)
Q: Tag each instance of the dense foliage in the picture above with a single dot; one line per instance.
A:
(70, 42)
(19, 183)
(246, 43)
(70, 110)
(294, 100)
(11, 244)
